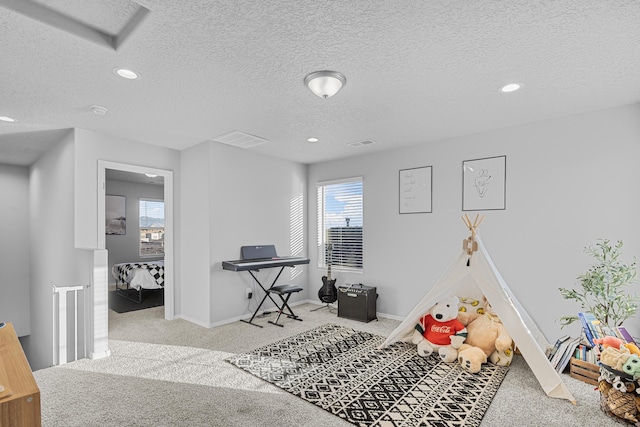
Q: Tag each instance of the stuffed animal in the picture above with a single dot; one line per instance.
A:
(633, 349)
(440, 330)
(471, 358)
(610, 341)
(632, 366)
(622, 405)
(615, 357)
(487, 333)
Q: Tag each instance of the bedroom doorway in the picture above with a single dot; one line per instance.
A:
(166, 176)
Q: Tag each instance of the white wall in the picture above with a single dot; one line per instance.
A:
(93, 146)
(569, 182)
(231, 198)
(63, 187)
(126, 248)
(54, 260)
(255, 199)
(14, 249)
(192, 302)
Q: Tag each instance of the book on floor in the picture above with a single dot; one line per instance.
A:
(595, 325)
(556, 346)
(586, 329)
(625, 335)
(568, 348)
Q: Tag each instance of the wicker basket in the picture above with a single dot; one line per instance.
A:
(618, 396)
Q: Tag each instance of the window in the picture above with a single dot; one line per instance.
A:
(340, 224)
(151, 215)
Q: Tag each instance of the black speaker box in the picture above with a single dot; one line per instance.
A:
(357, 302)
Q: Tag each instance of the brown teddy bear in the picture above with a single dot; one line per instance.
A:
(485, 335)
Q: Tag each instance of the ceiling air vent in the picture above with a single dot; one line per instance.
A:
(360, 143)
(240, 139)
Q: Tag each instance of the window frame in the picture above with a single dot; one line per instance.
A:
(323, 228)
(163, 228)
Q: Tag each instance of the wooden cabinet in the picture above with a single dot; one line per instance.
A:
(20, 399)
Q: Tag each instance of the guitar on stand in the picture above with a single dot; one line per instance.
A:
(328, 293)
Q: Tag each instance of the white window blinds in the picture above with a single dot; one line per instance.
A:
(340, 224)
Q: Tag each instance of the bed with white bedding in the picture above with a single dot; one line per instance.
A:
(132, 277)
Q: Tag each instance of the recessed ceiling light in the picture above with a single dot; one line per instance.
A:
(511, 87)
(127, 74)
(7, 119)
(312, 139)
(151, 175)
(101, 111)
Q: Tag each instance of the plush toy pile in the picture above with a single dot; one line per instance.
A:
(470, 336)
(619, 381)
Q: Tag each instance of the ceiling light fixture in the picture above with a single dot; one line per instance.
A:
(151, 175)
(312, 139)
(325, 84)
(511, 87)
(127, 74)
(101, 111)
(7, 119)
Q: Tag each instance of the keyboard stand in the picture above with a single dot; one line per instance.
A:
(267, 294)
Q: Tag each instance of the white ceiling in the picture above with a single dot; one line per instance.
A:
(417, 70)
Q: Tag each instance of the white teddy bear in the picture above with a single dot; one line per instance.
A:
(440, 330)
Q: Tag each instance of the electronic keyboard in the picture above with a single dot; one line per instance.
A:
(257, 264)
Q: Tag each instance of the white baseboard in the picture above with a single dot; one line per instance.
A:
(248, 316)
(192, 320)
(100, 355)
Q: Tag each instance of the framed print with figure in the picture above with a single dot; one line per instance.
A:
(484, 184)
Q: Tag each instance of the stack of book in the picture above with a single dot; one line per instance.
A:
(594, 329)
(584, 347)
(563, 351)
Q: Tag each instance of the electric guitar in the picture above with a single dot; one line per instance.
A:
(328, 293)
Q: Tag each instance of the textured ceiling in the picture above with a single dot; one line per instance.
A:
(106, 16)
(417, 71)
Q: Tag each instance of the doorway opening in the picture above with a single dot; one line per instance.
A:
(167, 178)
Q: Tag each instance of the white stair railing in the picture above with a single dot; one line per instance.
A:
(60, 320)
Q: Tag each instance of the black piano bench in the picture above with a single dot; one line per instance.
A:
(284, 292)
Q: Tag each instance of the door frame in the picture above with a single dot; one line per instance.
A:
(169, 297)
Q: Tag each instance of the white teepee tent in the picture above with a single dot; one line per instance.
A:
(473, 275)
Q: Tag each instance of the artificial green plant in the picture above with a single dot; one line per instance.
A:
(605, 286)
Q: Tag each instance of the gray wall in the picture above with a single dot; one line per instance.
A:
(54, 259)
(14, 247)
(233, 197)
(125, 248)
(63, 223)
(569, 182)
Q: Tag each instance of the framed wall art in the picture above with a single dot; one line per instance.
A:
(484, 184)
(415, 190)
(116, 215)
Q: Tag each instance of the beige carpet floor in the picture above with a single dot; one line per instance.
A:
(173, 373)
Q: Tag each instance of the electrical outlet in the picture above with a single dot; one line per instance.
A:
(249, 293)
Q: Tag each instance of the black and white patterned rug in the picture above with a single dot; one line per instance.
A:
(342, 371)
